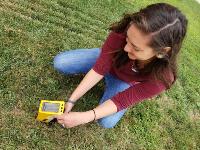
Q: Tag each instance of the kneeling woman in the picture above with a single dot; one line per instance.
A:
(137, 60)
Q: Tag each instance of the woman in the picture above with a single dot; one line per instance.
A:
(137, 60)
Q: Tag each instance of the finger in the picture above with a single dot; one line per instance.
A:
(59, 117)
(66, 111)
(61, 122)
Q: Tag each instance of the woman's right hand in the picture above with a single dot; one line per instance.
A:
(68, 107)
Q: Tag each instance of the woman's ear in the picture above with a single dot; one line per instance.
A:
(165, 51)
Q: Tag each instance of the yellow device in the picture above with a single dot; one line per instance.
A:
(48, 109)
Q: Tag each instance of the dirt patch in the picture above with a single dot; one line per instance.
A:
(194, 115)
(166, 102)
(17, 112)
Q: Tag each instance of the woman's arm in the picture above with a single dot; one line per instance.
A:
(90, 79)
(73, 119)
(105, 109)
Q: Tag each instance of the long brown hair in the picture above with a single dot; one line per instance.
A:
(167, 26)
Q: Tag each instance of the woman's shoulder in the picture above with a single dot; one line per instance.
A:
(115, 40)
(117, 35)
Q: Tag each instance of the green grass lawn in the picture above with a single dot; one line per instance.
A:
(32, 32)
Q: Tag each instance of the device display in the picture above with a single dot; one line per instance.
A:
(50, 107)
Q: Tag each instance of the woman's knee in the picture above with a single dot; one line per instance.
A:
(63, 63)
(58, 63)
(76, 61)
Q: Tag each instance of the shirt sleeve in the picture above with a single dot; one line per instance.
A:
(113, 43)
(137, 93)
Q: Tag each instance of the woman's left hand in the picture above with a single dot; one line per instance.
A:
(73, 119)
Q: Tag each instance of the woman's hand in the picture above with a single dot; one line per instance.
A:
(73, 119)
(68, 107)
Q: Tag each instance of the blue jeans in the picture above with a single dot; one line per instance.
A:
(81, 61)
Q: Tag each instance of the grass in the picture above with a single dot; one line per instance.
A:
(32, 32)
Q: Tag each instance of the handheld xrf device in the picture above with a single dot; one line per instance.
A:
(48, 109)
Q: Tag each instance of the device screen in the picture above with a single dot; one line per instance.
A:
(50, 107)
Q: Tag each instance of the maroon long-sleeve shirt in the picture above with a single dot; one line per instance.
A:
(142, 86)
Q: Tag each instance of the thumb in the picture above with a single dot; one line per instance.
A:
(67, 111)
(68, 107)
